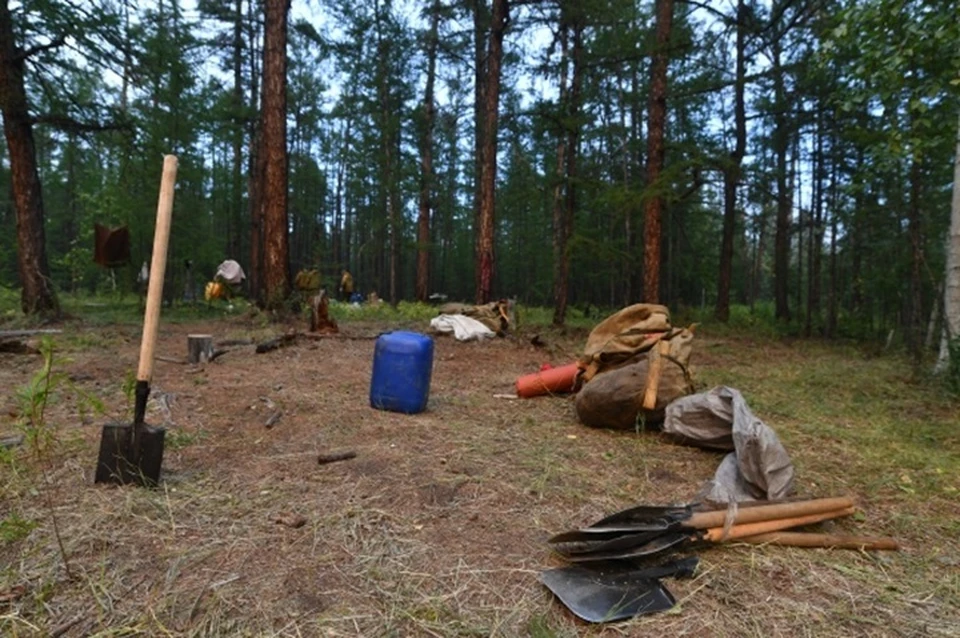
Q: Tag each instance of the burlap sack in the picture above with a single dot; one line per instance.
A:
(493, 315)
(621, 336)
(614, 398)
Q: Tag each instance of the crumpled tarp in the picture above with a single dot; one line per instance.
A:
(230, 272)
(497, 315)
(758, 468)
(463, 328)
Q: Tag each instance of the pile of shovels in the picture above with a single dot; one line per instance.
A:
(613, 580)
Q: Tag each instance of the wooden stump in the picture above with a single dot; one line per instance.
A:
(320, 320)
(199, 348)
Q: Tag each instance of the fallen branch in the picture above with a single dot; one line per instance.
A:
(321, 335)
(56, 632)
(160, 357)
(27, 333)
(272, 420)
(276, 342)
(8, 442)
(236, 342)
(336, 456)
(15, 346)
(290, 519)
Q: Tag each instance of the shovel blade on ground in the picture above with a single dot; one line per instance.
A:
(597, 597)
(120, 463)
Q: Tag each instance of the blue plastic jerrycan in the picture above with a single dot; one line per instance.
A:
(402, 365)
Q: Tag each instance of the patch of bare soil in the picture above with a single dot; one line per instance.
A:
(437, 526)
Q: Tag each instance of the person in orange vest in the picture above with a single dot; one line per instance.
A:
(346, 285)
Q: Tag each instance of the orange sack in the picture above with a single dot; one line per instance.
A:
(548, 381)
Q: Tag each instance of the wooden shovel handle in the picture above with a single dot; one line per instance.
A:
(653, 375)
(158, 265)
(835, 541)
(716, 534)
(706, 520)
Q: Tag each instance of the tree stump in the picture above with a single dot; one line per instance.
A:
(199, 348)
(320, 320)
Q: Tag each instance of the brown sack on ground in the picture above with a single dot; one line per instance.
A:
(621, 336)
(614, 399)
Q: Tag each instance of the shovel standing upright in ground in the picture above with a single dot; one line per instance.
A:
(134, 453)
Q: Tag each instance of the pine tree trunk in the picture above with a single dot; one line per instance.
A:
(274, 148)
(796, 186)
(573, 151)
(781, 140)
(815, 238)
(426, 163)
(488, 168)
(914, 228)
(236, 213)
(256, 164)
(833, 309)
(731, 175)
(626, 270)
(655, 152)
(481, 22)
(37, 295)
(951, 295)
(561, 183)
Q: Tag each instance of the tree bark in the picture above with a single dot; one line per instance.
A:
(951, 295)
(488, 168)
(256, 163)
(833, 293)
(481, 23)
(559, 203)
(389, 151)
(815, 238)
(655, 152)
(274, 148)
(426, 162)
(915, 339)
(234, 218)
(731, 174)
(37, 296)
(781, 141)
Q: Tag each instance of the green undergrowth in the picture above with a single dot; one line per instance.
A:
(894, 429)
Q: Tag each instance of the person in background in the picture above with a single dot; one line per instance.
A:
(346, 285)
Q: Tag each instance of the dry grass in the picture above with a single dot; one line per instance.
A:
(438, 526)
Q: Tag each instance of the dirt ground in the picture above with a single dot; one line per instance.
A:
(436, 528)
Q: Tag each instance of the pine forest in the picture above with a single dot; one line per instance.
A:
(790, 157)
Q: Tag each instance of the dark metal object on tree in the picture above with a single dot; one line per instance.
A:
(111, 246)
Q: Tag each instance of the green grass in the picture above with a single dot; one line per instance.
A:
(384, 561)
(832, 399)
(13, 528)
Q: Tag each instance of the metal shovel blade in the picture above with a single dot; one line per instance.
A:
(614, 592)
(570, 543)
(660, 543)
(643, 518)
(119, 460)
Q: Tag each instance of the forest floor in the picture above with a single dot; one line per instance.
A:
(438, 526)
